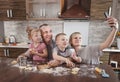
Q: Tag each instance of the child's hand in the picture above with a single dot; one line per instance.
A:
(69, 63)
(33, 51)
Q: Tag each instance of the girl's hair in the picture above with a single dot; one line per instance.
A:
(31, 31)
(71, 36)
(59, 35)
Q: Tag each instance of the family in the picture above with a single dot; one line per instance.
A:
(61, 50)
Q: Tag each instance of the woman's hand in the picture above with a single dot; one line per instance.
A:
(112, 22)
(77, 59)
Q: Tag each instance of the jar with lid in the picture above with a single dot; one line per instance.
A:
(12, 39)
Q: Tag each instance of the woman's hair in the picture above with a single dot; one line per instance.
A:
(71, 37)
(31, 31)
(56, 37)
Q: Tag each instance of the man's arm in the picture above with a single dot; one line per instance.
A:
(114, 25)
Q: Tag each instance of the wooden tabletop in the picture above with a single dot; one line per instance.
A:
(9, 73)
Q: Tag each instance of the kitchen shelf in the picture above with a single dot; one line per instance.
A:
(43, 1)
(52, 19)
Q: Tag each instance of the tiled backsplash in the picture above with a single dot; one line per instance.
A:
(98, 29)
(1, 31)
(18, 28)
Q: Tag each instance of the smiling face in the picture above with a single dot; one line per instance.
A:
(36, 35)
(62, 41)
(75, 39)
(46, 33)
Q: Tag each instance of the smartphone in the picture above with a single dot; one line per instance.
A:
(106, 14)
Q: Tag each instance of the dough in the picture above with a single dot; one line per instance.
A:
(14, 62)
(45, 66)
(75, 70)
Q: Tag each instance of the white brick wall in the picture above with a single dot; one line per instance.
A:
(98, 29)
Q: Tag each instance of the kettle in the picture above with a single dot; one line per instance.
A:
(12, 39)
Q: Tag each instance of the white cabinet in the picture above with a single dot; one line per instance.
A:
(42, 9)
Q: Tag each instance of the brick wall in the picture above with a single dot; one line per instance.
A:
(98, 7)
(105, 57)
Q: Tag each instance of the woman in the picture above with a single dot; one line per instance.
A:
(91, 54)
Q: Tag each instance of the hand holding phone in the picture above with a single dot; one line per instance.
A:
(106, 14)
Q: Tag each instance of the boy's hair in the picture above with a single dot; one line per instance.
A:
(31, 31)
(56, 37)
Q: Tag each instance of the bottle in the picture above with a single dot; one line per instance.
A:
(12, 40)
(7, 40)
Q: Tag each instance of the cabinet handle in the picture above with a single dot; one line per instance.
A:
(8, 15)
(5, 52)
(43, 12)
(8, 52)
(40, 12)
(11, 15)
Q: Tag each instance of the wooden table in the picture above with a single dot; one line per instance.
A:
(13, 74)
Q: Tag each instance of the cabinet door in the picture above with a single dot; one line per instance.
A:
(3, 14)
(12, 9)
(15, 52)
(4, 7)
(17, 9)
(42, 9)
(2, 52)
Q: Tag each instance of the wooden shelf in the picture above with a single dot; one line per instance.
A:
(39, 2)
(44, 19)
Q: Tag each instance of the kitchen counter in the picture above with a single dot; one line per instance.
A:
(19, 45)
(114, 54)
(111, 50)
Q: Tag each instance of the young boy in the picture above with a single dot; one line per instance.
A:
(62, 53)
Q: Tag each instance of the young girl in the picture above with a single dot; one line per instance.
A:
(37, 49)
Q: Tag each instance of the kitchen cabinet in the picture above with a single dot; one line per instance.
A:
(11, 52)
(12, 10)
(42, 9)
(75, 9)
